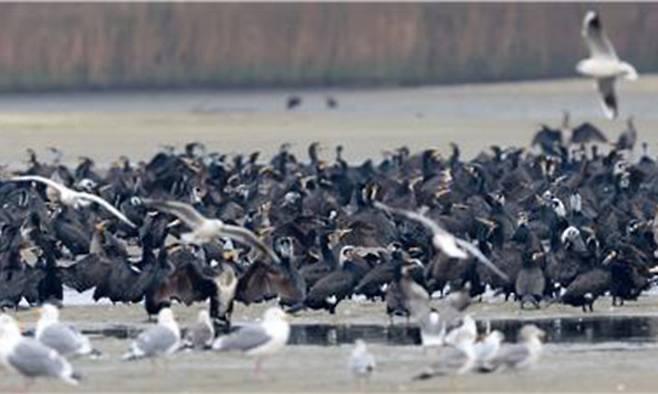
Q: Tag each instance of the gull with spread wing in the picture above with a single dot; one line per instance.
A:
(444, 241)
(205, 229)
(74, 198)
(603, 64)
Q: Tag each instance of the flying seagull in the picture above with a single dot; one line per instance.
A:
(259, 340)
(31, 358)
(63, 338)
(72, 197)
(603, 64)
(161, 339)
(205, 230)
(444, 241)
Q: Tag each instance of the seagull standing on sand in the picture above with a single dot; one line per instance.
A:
(205, 230)
(63, 338)
(258, 340)
(161, 339)
(522, 354)
(487, 348)
(73, 198)
(603, 64)
(444, 241)
(201, 334)
(451, 359)
(31, 358)
(362, 363)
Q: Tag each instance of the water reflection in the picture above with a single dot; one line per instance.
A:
(558, 330)
(569, 330)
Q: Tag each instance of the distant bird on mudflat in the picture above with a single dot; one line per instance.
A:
(73, 198)
(458, 358)
(293, 102)
(603, 64)
(487, 348)
(259, 340)
(522, 354)
(161, 339)
(205, 229)
(331, 102)
(201, 334)
(63, 338)
(361, 363)
(31, 358)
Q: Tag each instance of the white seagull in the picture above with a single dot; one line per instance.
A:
(205, 229)
(487, 348)
(63, 338)
(603, 64)
(362, 363)
(523, 354)
(201, 334)
(31, 358)
(258, 340)
(451, 359)
(160, 339)
(444, 241)
(73, 198)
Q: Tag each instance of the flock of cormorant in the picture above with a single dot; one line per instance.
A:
(564, 223)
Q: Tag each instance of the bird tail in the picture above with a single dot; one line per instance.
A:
(218, 344)
(70, 376)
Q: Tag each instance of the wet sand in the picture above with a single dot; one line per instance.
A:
(591, 367)
(368, 122)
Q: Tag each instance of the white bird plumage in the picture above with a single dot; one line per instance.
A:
(443, 240)
(603, 64)
(205, 229)
(74, 198)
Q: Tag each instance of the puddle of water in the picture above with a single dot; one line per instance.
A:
(570, 330)
(564, 330)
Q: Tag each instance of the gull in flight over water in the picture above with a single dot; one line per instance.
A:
(74, 198)
(603, 64)
(205, 229)
(444, 241)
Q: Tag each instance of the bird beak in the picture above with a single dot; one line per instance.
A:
(174, 223)
(342, 233)
(230, 255)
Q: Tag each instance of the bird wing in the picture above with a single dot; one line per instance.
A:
(109, 207)
(441, 238)
(185, 212)
(199, 334)
(245, 236)
(245, 339)
(33, 359)
(606, 87)
(61, 338)
(475, 251)
(511, 355)
(596, 39)
(155, 340)
(36, 178)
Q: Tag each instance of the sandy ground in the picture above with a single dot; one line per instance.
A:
(367, 122)
(592, 367)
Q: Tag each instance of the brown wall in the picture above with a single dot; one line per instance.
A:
(91, 45)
